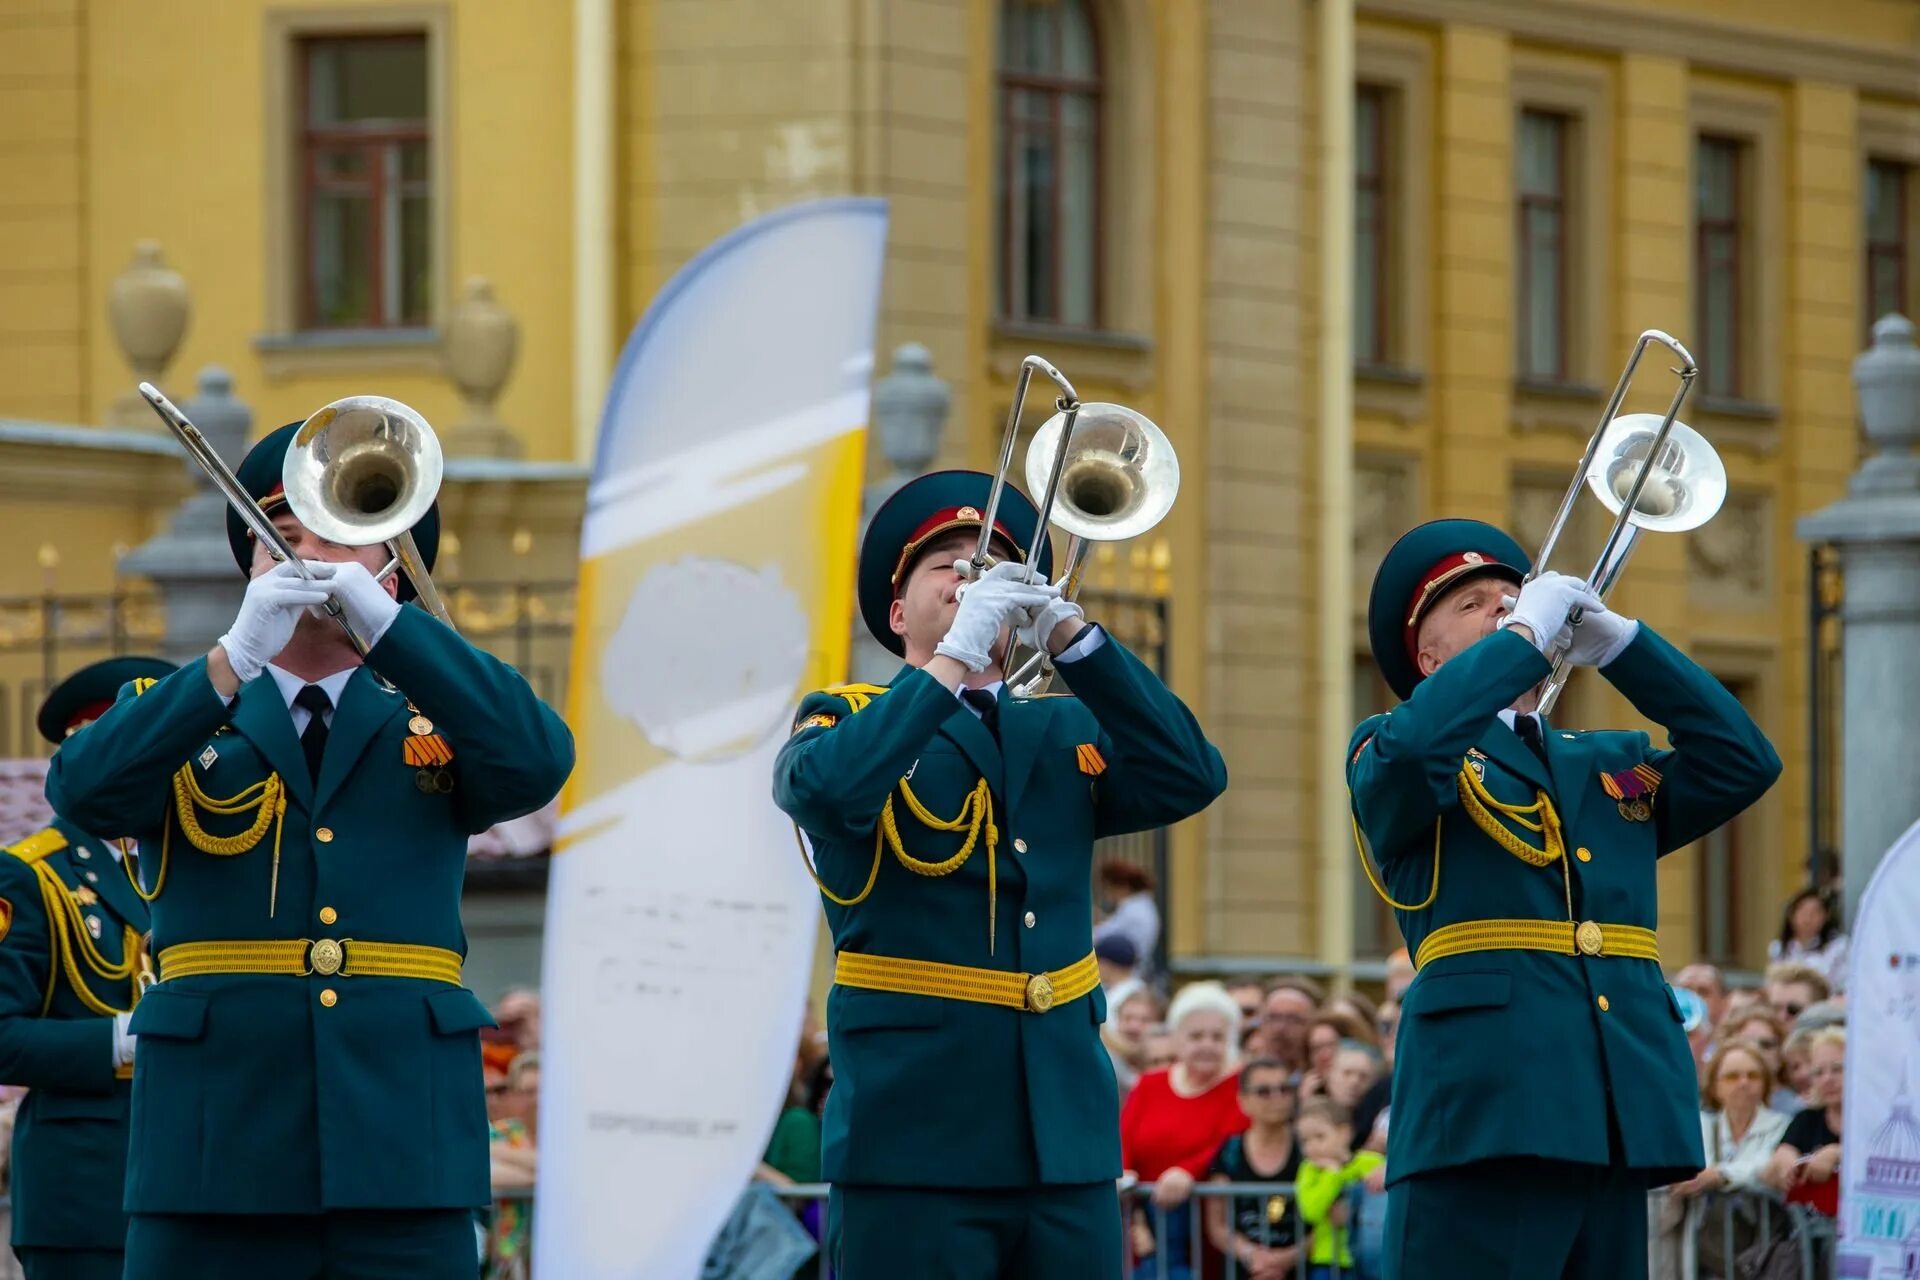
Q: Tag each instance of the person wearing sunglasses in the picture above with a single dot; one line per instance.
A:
(1261, 1232)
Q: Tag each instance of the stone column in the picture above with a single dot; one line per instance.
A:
(190, 563)
(1877, 530)
(148, 305)
(910, 409)
(482, 340)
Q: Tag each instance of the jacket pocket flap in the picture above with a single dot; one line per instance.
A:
(861, 1010)
(170, 1015)
(1446, 992)
(50, 1104)
(457, 1009)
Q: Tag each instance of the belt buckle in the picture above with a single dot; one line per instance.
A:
(1039, 993)
(1589, 938)
(326, 956)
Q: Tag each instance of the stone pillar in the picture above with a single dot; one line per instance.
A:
(1877, 530)
(148, 305)
(482, 340)
(910, 409)
(190, 563)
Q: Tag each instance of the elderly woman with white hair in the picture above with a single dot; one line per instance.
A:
(1176, 1118)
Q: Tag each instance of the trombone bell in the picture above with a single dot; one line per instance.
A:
(362, 471)
(1119, 478)
(1686, 483)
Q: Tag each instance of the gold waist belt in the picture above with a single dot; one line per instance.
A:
(302, 957)
(1033, 992)
(1563, 937)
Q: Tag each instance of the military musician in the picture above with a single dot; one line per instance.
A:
(1543, 1082)
(309, 1095)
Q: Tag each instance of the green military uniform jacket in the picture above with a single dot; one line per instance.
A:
(280, 1094)
(1531, 1053)
(931, 1091)
(71, 912)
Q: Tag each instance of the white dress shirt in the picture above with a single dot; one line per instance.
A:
(1079, 649)
(291, 685)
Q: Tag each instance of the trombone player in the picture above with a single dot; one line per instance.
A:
(973, 1129)
(1543, 1080)
(308, 1101)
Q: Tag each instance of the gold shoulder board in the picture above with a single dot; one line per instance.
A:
(39, 846)
(857, 696)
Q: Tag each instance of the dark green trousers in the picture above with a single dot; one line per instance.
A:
(352, 1244)
(70, 1264)
(1035, 1233)
(1518, 1219)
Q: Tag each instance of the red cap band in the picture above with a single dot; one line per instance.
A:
(1436, 579)
(86, 715)
(940, 522)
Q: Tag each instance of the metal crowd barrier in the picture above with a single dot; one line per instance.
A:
(1720, 1242)
(1750, 1217)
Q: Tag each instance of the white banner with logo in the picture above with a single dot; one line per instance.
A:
(1880, 1148)
(715, 588)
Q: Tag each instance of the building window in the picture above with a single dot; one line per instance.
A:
(1050, 162)
(1718, 258)
(1887, 248)
(1541, 184)
(1372, 246)
(366, 182)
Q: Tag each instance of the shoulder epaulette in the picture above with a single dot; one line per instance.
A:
(39, 846)
(142, 684)
(856, 696)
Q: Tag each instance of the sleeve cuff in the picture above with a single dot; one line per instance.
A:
(1091, 637)
(1619, 646)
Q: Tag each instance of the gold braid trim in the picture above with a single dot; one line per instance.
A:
(266, 800)
(70, 944)
(1481, 807)
(821, 885)
(1366, 864)
(975, 816)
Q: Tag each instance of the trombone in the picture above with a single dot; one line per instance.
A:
(1105, 473)
(361, 471)
(1654, 472)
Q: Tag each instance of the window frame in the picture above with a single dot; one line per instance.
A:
(1381, 350)
(1740, 226)
(286, 347)
(1900, 250)
(1560, 205)
(374, 142)
(1007, 84)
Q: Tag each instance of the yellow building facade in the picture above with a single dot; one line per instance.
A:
(1130, 187)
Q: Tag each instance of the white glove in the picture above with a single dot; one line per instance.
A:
(364, 600)
(1001, 595)
(268, 614)
(1600, 637)
(123, 1040)
(1047, 617)
(1542, 607)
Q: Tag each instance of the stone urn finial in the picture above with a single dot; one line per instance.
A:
(481, 342)
(148, 304)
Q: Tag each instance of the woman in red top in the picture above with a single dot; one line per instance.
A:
(1175, 1119)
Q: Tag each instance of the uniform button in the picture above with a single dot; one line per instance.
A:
(1031, 921)
(1582, 854)
(328, 998)
(328, 915)
(84, 855)
(324, 835)
(93, 878)
(1019, 846)
(1604, 1006)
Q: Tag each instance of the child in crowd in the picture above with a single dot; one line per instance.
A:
(1329, 1170)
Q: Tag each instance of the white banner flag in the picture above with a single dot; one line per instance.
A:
(715, 589)
(1880, 1148)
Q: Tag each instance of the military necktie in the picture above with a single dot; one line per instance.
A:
(313, 740)
(987, 703)
(1528, 727)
